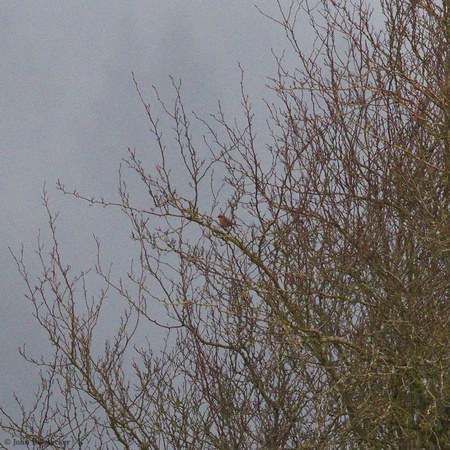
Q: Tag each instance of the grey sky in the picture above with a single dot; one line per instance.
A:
(69, 110)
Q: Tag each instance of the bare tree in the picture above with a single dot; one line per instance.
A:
(321, 318)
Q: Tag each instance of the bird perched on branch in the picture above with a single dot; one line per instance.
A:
(224, 221)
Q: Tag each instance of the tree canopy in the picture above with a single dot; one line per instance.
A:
(320, 319)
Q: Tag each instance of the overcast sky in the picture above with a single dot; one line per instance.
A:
(69, 110)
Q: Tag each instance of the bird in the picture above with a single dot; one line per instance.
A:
(224, 221)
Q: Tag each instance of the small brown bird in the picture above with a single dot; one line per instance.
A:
(224, 221)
